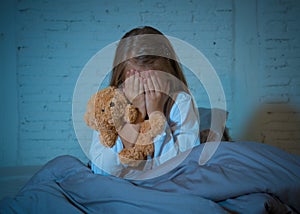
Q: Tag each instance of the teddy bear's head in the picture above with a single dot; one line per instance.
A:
(98, 114)
(107, 111)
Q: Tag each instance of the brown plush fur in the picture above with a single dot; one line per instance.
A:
(108, 110)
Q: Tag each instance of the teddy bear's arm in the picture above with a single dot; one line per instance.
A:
(131, 114)
(144, 146)
(108, 137)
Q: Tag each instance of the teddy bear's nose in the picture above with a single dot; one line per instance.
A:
(112, 104)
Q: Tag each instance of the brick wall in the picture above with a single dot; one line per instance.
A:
(277, 122)
(54, 39)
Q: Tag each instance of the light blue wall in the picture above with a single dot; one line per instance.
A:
(266, 83)
(8, 86)
(253, 45)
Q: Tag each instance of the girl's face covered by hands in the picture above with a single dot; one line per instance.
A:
(157, 91)
(145, 88)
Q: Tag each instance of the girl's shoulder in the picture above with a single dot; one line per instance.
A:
(181, 96)
(180, 102)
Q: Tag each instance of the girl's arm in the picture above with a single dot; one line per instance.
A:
(105, 160)
(182, 132)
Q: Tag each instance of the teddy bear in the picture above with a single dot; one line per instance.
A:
(109, 110)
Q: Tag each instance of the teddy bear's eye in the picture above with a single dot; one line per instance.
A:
(112, 104)
(102, 110)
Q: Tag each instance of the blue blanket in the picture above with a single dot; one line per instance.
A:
(241, 177)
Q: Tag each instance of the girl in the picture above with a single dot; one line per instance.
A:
(146, 68)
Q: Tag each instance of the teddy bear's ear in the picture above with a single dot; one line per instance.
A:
(131, 114)
(89, 115)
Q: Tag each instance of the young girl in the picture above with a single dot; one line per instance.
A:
(147, 70)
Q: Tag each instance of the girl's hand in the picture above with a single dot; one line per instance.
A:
(134, 91)
(157, 91)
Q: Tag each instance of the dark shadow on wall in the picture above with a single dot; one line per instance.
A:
(277, 125)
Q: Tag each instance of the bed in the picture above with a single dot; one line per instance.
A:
(241, 177)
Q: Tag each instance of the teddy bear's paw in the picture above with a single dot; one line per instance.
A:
(158, 123)
(108, 138)
(146, 149)
(149, 150)
(131, 157)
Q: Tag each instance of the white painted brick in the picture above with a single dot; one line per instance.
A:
(54, 40)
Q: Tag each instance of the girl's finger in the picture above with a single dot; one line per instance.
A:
(167, 88)
(128, 80)
(141, 85)
(150, 85)
(146, 87)
(135, 83)
(129, 85)
(154, 80)
(161, 80)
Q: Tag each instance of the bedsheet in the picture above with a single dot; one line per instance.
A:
(241, 177)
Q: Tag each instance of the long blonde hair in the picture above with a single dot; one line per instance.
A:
(149, 48)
